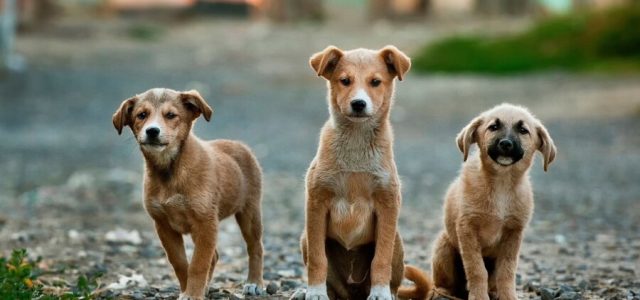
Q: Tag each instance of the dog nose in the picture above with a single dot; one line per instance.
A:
(505, 144)
(358, 105)
(153, 132)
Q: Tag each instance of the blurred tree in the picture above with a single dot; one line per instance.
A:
(398, 9)
(294, 10)
(499, 7)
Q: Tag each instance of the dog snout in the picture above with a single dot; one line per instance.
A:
(358, 105)
(505, 145)
(152, 132)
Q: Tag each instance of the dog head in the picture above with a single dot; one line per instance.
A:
(360, 81)
(507, 135)
(161, 119)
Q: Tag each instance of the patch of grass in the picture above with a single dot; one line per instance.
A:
(145, 32)
(19, 281)
(596, 41)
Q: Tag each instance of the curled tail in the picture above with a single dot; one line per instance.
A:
(422, 284)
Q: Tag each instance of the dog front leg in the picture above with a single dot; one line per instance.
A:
(474, 269)
(507, 263)
(316, 227)
(204, 238)
(387, 207)
(174, 248)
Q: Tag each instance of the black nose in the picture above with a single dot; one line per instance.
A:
(506, 144)
(153, 132)
(358, 105)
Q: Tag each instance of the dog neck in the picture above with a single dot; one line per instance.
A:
(359, 146)
(163, 165)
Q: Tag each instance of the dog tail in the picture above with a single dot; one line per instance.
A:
(422, 284)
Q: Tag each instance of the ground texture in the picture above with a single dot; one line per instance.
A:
(71, 187)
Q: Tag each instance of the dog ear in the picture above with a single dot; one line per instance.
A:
(397, 62)
(467, 136)
(122, 116)
(547, 147)
(325, 61)
(196, 104)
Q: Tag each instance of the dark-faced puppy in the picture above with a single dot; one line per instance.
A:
(489, 205)
(352, 186)
(190, 184)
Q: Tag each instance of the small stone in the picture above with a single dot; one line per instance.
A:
(546, 294)
(569, 296)
(271, 276)
(289, 284)
(272, 288)
(531, 286)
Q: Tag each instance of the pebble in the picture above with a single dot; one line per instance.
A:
(569, 296)
(546, 294)
(272, 288)
(289, 284)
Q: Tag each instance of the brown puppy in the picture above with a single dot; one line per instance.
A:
(190, 185)
(350, 244)
(488, 206)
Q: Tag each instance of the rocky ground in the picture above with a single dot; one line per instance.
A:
(70, 188)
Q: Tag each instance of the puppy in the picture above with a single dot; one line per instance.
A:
(489, 205)
(190, 185)
(350, 244)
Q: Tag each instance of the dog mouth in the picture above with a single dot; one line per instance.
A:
(155, 144)
(358, 116)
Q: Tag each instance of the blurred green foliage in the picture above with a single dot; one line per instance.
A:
(605, 40)
(19, 281)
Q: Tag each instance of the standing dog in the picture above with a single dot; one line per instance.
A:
(190, 185)
(350, 244)
(489, 205)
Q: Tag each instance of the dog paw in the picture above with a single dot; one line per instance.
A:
(187, 297)
(252, 289)
(316, 292)
(380, 292)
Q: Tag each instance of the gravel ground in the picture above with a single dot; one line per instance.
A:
(70, 188)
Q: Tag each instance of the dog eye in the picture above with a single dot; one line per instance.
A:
(523, 130)
(494, 127)
(142, 115)
(345, 81)
(375, 82)
(170, 115)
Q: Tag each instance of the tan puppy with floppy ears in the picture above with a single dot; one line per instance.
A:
(489, 205)
(350, 244)
(190, 185)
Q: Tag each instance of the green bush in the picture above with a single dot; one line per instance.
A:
(19, 281)
(587, 41)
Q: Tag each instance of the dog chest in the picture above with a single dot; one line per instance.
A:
(351, 216)
(174, 210)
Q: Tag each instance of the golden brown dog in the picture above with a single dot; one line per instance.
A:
(190, 185)
(350, 244)
(489, 205)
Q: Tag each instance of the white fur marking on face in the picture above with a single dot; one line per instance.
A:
(317, 292)
(157, 92)
(153, 123)
(380, 292)
(362, 95)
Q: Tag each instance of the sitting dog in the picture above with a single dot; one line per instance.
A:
(190, 185)
(489, 205)
(350, 243)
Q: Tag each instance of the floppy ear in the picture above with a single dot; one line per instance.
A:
(122, 116)
(467, 136)
(397, 62)
(196, 104)
(325, 61)
(547, 147)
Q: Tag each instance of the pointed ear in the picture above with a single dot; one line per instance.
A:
(397, 62)
(196, 104)
(325, 61)
(547, 147)
(122, 116)
(467, 137)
